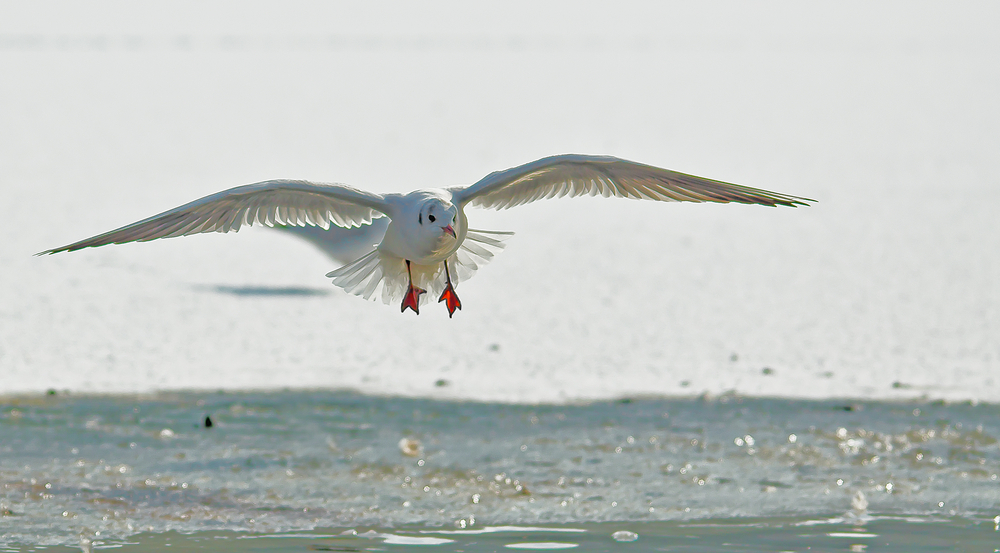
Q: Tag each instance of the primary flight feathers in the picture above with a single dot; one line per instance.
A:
(577, 175)
(283, 202)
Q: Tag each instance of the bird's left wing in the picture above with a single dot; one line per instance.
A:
(286, 202)
(577, 175)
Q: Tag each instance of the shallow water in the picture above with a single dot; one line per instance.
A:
(118, 469)
(774, 534)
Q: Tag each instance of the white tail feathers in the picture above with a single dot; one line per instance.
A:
(380, 273)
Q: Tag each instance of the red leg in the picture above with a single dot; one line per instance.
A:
(449, 294)
(412, 297)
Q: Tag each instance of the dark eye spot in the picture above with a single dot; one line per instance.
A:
(431, 218)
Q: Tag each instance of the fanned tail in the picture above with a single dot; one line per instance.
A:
(478, 249)
(378, 273)
(360, 277)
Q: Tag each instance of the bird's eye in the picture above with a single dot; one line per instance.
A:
(431, 218)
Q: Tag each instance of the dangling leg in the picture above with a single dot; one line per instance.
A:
(449, 294)
(412, 297)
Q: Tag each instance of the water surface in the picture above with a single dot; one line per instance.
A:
(138, 469)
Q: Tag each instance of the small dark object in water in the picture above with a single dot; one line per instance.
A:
(208, 422)
(845, 407)
(51, 392)
(900, 385)
(767, 371)
(441, 383)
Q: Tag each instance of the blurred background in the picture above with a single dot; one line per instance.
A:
(887, 114)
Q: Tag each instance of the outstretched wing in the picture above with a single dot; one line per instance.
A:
(285, 202)
(576, 175)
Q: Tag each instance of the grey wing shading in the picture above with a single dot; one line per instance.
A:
(341, 244)
(283, 202)
(577, 175)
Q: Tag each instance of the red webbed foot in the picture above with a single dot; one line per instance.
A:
(412, 299)
(451, 298)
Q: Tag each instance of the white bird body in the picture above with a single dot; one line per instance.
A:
(423, 248)
(428, 233)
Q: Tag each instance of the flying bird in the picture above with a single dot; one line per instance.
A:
(427, 248)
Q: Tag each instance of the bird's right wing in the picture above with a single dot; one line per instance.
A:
(286, 202)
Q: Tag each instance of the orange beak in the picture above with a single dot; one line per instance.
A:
(451, 231)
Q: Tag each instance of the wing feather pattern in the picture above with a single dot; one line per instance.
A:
(283, 202)
(577, 175)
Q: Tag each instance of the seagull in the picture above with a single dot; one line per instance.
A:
(427, 236)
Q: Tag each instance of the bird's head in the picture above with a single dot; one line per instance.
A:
(438, 218)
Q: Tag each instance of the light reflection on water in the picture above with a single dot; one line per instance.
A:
(107, 467)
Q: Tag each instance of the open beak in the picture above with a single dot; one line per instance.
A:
(451, 231)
